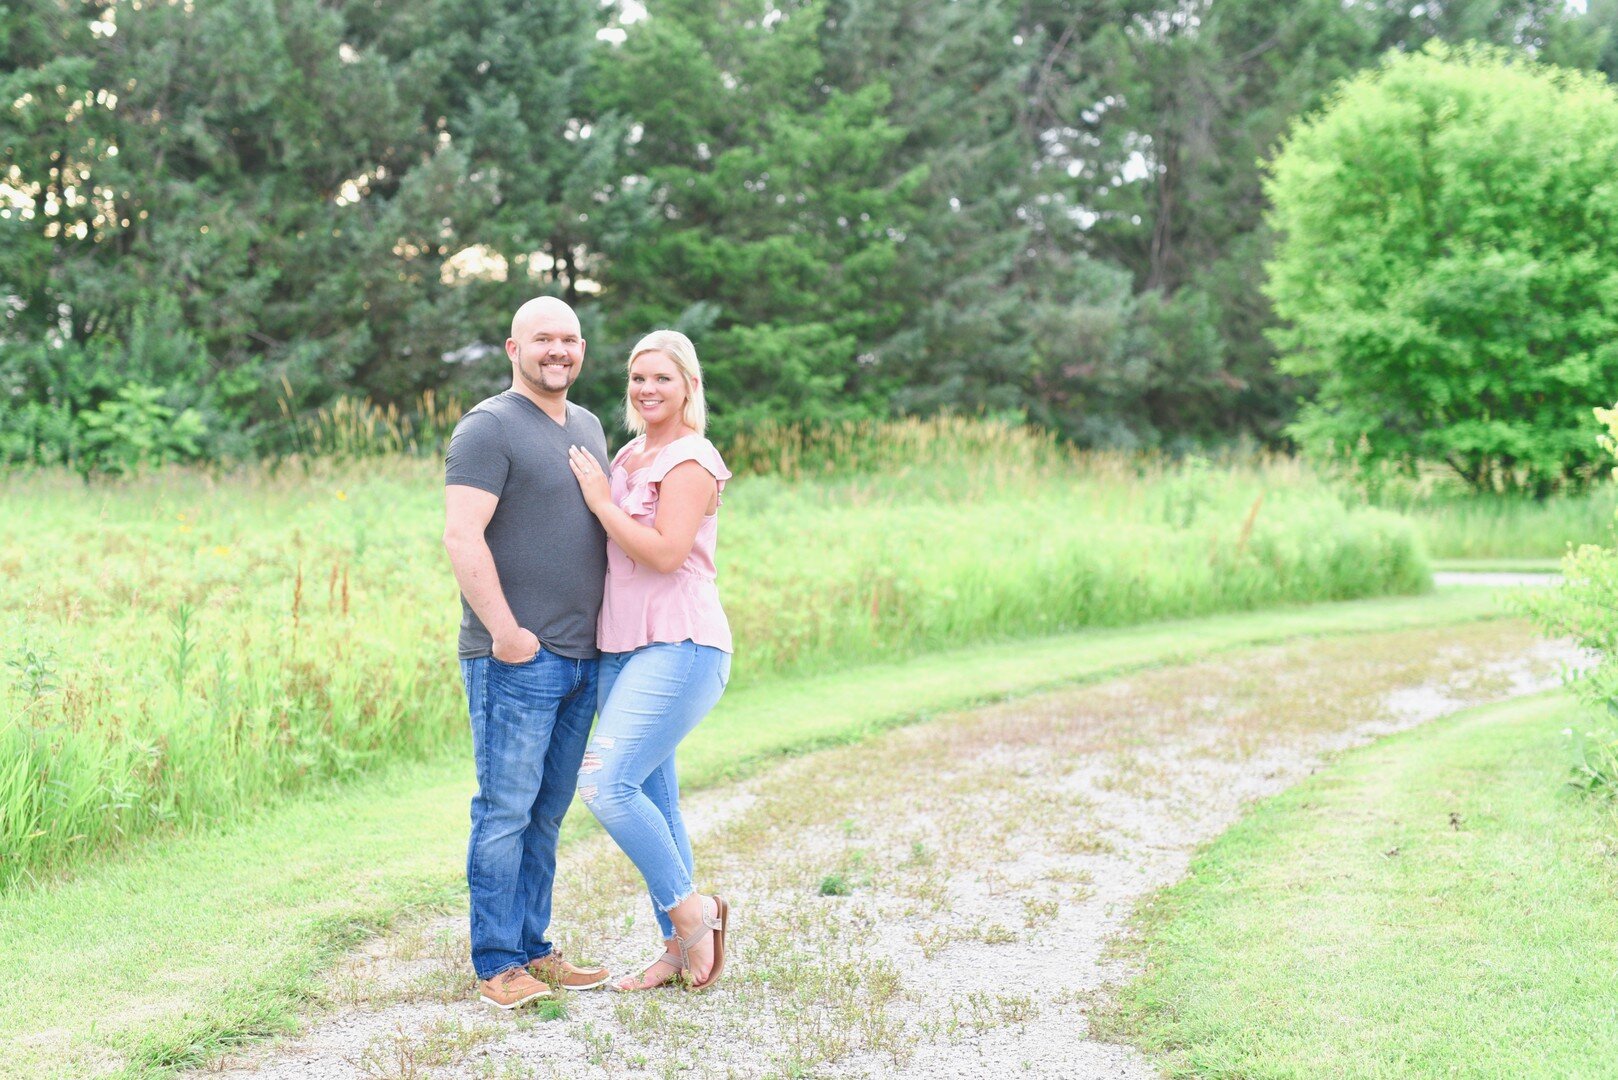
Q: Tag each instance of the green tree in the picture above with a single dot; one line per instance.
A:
(328, 196)
(509, 91)
(1011, 310)
(770, 204)
(1163, 113)
(1446, 267)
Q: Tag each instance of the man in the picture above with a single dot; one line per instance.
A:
(530, 559)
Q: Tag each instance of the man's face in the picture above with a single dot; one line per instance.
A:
(546, 351)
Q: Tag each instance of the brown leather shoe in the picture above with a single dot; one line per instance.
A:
(512, 988)
(553, 970)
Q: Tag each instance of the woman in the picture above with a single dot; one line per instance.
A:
(665, 644)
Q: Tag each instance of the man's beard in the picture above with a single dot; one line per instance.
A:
(539, 382)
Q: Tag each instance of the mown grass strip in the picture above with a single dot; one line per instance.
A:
(195, 943)
(1437, 904)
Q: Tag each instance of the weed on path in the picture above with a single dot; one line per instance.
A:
(939, 901)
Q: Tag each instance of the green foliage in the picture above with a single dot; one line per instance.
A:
(133, 430)
(36, 673)
(1162, 116)
(858, 207)
(1595, 763)
(290, 187)
(1466, 525)
(989, 256)
(1585, 608)
(1445, 270)
(256, 634)
(117, 403)
(348, 429)
(772, 207)
(835, 885)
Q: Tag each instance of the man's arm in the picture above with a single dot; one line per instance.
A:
(467, 511)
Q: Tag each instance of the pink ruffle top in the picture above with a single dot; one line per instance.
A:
(641, 605)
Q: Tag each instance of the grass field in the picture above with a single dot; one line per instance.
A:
(174, 916)
(1455, 524)
(185, 647)
(1438, 904)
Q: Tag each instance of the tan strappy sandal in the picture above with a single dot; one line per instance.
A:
(715, 924)
(672, 959)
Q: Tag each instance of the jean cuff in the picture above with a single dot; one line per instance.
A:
(689, 893)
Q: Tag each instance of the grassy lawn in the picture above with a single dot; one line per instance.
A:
(200, 941)
(1437, 904)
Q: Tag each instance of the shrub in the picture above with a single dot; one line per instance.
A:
(1447, 267)
(117, 402)
(136, 429)
(1585, 607)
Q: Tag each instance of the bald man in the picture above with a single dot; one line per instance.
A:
(531, 561)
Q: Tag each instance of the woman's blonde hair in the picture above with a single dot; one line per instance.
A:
(677, 347)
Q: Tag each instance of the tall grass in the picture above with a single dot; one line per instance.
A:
(359, 427)
(1458, 523)
(1505, 527)
(806, 451)
(184, 647)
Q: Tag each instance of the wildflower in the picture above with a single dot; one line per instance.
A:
(342, 496)
(221, 550)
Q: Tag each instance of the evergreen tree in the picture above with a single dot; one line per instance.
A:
(283, 193)
(773, 209)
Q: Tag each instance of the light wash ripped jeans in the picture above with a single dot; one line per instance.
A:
(649, 700)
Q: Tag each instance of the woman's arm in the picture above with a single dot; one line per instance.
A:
(684, 497)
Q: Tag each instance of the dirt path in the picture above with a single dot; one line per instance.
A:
(941, 901)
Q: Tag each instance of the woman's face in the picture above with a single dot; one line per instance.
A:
(656, 387)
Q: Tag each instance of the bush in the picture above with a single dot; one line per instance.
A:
(135, 429)
(118, 402)
(1447, 266)
(1585, 608)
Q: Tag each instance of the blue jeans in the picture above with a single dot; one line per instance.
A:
(529, 725)
(650, 699)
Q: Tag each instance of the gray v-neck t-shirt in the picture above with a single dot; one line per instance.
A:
(549, 550)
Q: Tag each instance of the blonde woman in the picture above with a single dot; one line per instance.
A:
(664, 640)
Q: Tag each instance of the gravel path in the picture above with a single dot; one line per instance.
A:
(1499, 579)
(945, 900)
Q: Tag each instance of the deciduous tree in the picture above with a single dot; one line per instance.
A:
(1447, 268)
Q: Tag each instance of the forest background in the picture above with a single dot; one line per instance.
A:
(217, 218)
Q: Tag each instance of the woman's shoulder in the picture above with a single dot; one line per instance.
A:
(692, 447)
